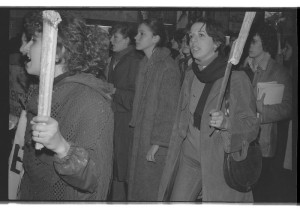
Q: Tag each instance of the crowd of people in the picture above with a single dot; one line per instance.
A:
(141, 124)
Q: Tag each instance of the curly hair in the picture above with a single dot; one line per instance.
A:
(215, 30)
(268, 36)
(86, 46)
(157, 27)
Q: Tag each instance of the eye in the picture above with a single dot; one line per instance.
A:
(201, 34)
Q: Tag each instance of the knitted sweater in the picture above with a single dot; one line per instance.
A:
(81, 107)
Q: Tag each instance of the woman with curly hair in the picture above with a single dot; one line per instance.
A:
(76, 163)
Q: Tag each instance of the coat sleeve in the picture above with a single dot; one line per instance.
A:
(124, 96)
(88, 163)
(166, 109)
(243, 125)
(278, 112)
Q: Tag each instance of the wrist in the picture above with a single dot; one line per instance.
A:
(225, 124)
(63, 150)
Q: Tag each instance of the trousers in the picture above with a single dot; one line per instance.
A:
(188, 181)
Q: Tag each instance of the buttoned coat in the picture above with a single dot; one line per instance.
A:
(157, 90)
(242, 130)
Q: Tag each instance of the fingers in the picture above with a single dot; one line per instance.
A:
(263, 97)
(216, 118)
(150, 157)
(38, 136)
(41, 119)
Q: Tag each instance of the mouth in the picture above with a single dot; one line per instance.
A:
(195, 49)
(27, 59)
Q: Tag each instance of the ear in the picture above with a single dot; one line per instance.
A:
(127, 41)
(59, 57)
(216, 45)
(156, 38)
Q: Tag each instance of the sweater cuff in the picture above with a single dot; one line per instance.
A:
(75, 160)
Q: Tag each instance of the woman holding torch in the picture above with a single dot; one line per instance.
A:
(76, 161)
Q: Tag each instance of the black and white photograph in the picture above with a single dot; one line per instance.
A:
(118, 105)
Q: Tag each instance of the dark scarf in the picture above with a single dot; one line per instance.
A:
(115, 59)
(214, 71)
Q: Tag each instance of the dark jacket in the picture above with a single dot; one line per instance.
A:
(157, 91)
(81, 106)
(123, 77)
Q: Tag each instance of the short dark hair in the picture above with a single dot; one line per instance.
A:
(268, 36)
(215, 30)
(157, 27)
(126, 30)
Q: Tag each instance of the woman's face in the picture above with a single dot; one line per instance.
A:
(118, 42)
(34, 52)
(145, 38)
(201, 44)
(256, 48)
(185, 48)
(287, 52)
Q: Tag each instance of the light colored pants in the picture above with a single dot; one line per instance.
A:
(188, 181)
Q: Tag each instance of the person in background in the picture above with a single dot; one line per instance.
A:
(154, 107)
(123, 69)
(76, 161)
(184, 60)
(202, 134)
(261, 66)
(288, 54)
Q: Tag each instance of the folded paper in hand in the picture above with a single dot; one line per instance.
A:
(273, 91)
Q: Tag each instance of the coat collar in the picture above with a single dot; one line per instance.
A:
(160, 53)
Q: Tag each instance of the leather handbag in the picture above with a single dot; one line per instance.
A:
(242, 175)
(242, 169)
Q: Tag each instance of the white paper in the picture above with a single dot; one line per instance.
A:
(273, 91)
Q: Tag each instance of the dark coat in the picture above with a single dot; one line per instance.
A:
(243, 129)
(157, 92)
(123, 78)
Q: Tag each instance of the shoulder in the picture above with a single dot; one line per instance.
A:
(135, 55)
(239, 75)
(279, 69)
(240, 82)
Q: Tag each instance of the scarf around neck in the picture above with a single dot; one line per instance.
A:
(212, 72)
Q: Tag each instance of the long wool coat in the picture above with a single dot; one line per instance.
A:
(244, 128)
(157, 92)
(123, 78)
